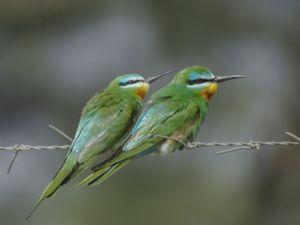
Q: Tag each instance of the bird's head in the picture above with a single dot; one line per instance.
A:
(200, 81)
(134, 84)
(131, 84)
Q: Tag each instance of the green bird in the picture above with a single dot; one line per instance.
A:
(105, 122)
(175, 111)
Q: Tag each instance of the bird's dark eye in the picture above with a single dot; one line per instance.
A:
(196, 81)
(130, 82)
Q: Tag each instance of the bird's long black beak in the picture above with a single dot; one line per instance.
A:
(219, 79)
(152, 79)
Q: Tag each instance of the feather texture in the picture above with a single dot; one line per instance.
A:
(173, 111)
(104, 125)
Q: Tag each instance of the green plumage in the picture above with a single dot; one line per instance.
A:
(104, 124)
(176, 110)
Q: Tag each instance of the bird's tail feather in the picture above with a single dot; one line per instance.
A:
(100, 175)
(62, 176)
(35, 208)
(79, 169)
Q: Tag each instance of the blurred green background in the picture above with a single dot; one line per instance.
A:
(55, 54)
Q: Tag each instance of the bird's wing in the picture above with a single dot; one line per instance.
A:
(98, 110)
(104, 121)
(162, 117)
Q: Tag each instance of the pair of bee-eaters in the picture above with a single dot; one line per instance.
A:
(109, 122)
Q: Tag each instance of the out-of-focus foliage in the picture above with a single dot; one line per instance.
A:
(56, 54)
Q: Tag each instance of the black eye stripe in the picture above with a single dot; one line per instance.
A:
(129, 82)
(197, 81)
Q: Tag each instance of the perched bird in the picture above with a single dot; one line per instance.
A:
(105, 122)
(175, 111)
